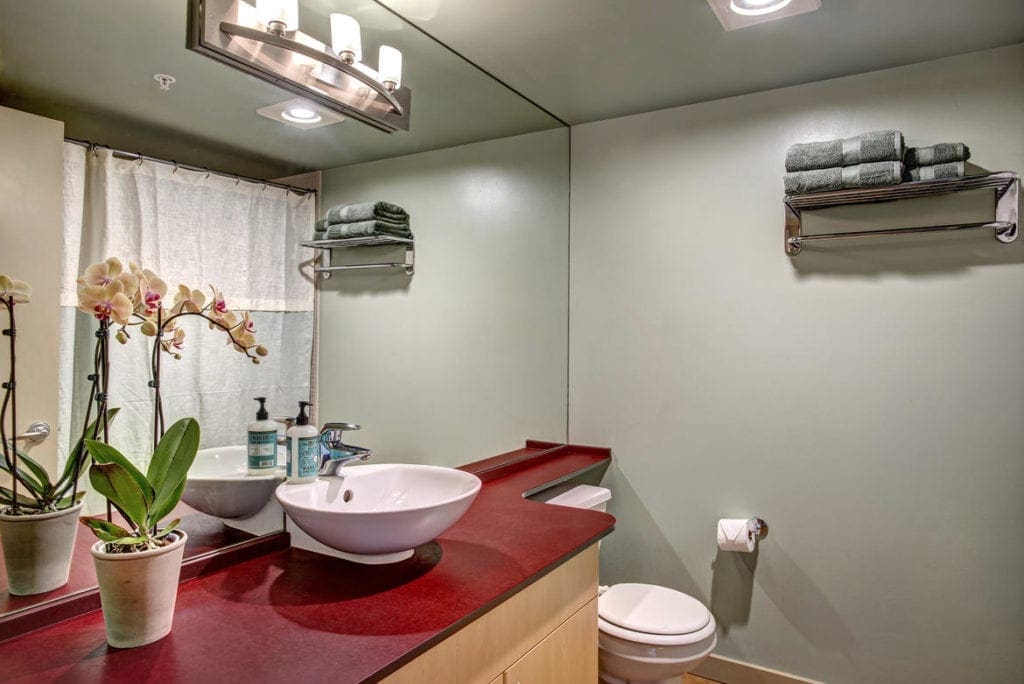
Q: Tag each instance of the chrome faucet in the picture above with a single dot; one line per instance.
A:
(334, 452)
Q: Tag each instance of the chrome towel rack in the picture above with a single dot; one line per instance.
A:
(325, 269)
(1005, 184)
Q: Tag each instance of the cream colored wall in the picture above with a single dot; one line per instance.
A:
(467, 358)
(30, 237)
(867, 400)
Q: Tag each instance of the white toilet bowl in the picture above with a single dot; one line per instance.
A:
(646, 633)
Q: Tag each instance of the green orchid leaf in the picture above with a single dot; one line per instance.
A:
(163, 508)
(113, 481)
(170, 527)
(26, 477)
(79, 450)
(68, 502)
(41, 476)
(169, 466)
(105, 531)
(105, 454)
(7, 499)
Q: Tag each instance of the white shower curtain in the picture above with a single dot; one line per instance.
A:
(198, 229)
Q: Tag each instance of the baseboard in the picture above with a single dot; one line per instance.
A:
(729, 671)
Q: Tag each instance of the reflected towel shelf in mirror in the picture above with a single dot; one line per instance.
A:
(325, 268)
(1005, 184)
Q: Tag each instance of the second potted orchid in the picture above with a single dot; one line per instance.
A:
(137, 562)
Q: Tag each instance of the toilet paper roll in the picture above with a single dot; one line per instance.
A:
(733, 535)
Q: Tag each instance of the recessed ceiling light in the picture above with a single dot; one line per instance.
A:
(753, 8)
(737, 14)
(299, 113)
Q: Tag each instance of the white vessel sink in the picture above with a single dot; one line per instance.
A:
(379, 513)
(219, 483)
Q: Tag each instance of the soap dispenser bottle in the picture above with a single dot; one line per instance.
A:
(303, 448)
(262, 442)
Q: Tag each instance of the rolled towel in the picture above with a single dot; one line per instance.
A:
(321, 225)
(940, 153)
(936, 171)
(320, 235)
(366, 211)
(337, 231)
(844, 177)
(875, 146)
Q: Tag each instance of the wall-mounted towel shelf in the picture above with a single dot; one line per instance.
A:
(325, 268)
(1005, 184)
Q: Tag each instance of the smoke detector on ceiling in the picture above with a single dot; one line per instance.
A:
(737, 14)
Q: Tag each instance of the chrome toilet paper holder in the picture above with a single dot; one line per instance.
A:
(757, 528)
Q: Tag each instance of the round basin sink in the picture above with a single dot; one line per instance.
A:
(379, 513)
(219, 483)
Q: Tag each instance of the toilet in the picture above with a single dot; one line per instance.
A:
(646, 633)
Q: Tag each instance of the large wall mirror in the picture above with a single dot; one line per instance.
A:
(90, 134)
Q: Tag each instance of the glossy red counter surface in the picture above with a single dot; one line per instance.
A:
(298, 616)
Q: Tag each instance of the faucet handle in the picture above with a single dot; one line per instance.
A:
(287, 421)
(344, 427)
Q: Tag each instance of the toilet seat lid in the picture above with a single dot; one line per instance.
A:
(651, 609)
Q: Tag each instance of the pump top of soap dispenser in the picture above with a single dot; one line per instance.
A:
(302, 418)
(262, 414)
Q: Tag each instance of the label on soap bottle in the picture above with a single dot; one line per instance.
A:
(308, 458)
(262, 454)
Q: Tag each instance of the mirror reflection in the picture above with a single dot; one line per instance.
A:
(203, 239)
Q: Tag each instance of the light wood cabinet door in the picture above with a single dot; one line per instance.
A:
(567, 656)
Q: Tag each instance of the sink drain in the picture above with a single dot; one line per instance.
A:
(347, 495)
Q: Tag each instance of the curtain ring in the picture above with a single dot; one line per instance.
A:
(142, 158)
(264, 186)
(207, 173)
(175, 166)
(237, 180)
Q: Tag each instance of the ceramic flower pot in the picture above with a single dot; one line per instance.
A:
(38, 548)
(138, 591)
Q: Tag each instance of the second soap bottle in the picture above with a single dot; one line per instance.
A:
(303, 448)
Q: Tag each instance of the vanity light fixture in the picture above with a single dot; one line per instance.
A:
(737, 14)
(264, 40)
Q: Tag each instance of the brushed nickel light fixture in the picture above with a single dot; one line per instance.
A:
(264, 40)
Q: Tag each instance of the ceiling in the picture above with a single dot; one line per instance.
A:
(90, 63)
(586, 60)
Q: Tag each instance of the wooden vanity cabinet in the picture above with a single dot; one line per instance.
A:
(545, 633)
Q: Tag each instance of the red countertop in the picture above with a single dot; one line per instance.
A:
(302, 616)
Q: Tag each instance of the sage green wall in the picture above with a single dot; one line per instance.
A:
(867, 400)
(467, 358)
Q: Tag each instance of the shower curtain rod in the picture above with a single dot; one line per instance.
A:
(190, 167)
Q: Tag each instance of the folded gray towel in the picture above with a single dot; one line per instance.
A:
(364, 228)
(940, 153)
(936, 171)
(320, 235)
(366, 211)
(321, 225)
(875, 146)
(860, 176)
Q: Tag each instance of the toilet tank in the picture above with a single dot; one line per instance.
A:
(583, 496)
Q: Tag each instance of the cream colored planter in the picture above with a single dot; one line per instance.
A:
(38, 548)
(138, 591)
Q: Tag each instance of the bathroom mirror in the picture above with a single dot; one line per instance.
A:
(93, 67)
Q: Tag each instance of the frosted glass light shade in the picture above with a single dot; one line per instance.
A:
(284, 13)
(345, 36)
(389, 65)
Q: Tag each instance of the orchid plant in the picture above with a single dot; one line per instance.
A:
(12, 292)
(135, 298)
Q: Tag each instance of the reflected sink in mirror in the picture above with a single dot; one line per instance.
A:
(380, 513)
(219, 483)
